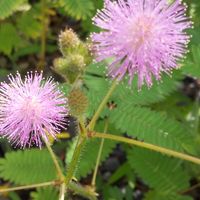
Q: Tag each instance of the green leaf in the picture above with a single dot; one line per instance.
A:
(97, 86)
(27, 167)
(8, 7)
(112, 193)
(123, 170)
(177, 105)
(150, 126)
(48, 193)
(29, 23)
(78, 9)
(13, 196)
(158, 92)
(157, 195)
(192, 64)
(9, 38)
(158, 171)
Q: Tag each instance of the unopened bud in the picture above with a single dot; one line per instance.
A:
(70, 67)
(68, 40)
(78, 102)
(77, 60)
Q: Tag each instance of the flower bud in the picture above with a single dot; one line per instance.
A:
(70, 67)
(78, 102)
(68, 40)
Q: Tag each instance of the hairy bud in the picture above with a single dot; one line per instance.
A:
(68, 40)
(78, 102)
(70, 67)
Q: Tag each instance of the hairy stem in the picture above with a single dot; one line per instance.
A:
(76, 188)
(99, 157)
(72, 166)
(152, 147)
(101, 106)
(55, 161)
(26, 187)
(83, 130)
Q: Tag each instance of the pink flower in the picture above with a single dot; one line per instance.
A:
(31, 109)
(144, 37)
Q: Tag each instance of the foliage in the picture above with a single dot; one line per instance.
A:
(90, 153)
(160, 172)
(8, 7)
(150, 126)
(78, 9)
(27, 167)
(191, 65)
(45, 193)
(8, 38)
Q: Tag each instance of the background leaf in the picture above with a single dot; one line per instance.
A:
(8, 7)
(48, 193)
(160, 172)
(27, 167)
(79, 9)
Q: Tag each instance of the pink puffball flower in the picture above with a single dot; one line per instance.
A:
(144, 37)
(31, 110)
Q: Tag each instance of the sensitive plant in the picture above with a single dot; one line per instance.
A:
(101, 107)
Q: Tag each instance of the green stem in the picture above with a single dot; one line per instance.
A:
(101, 106)
(97, 163)
(43, 36)
(190, 189)
(26, 187)
(99, 157)
(83, 130)
(76, 188)
(55, 161)
(152, 147)
(62, 192)
(84, 192)
(72, 166)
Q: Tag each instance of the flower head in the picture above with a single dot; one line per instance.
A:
(145, 37)
(31, 109)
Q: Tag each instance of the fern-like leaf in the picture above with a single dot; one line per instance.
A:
(157, 195)
(9, 38)
(79, 9)
(97, 88)
(29, 24)
(48, 193)
(158, 171)
(151, 126)
(27, 167)
(146, 96)
(192, 64)
(8, 7)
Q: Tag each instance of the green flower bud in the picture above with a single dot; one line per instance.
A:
(70, 67)
(68, 40)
